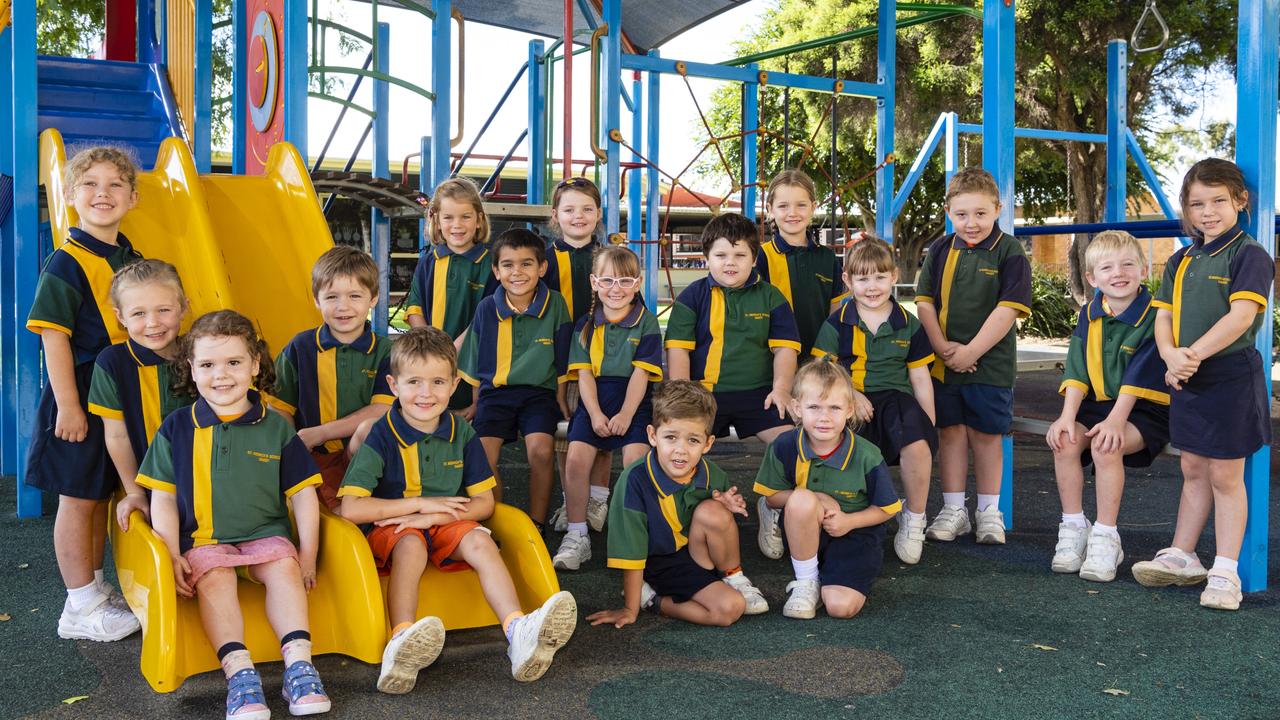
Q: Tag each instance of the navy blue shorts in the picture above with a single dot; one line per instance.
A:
(897, 422)
(611, 392)
(1151, 420)
(985, 408)
(744, 410)
(462, 397)
(1223, 410)
(677, 576)
(852, 560)
(75, 469)
(513, 410)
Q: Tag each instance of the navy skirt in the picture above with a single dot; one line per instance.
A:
(1151, 420)
(611, 392)
(1222, 411)
(897, 421)
(76, 469)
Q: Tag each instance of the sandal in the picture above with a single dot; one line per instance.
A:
(300, 682)
(1171, 566)
(245, 689)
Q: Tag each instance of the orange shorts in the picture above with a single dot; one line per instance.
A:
(441, 542)
(333, 467)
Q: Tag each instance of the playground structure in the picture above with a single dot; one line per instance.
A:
(170, 83)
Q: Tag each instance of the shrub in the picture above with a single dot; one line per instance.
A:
(1053, 312)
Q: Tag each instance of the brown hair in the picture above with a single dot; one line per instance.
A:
(1108, 242)
(624, 262)
(144, 272)
(683, 400)
(460, 190)
(869, 255)
(80, 163)
(1215, 172)
(733, 227)
(576, 184)
(519, 238)
(223, 323)
(972, 180)
(344, 260)
(421, 343)
(825, 375)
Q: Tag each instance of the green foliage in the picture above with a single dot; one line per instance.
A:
(1053, 313)
(69, 27)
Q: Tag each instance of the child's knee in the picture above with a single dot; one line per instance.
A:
(728, 610)
(844, 604)
(217, 579)
(282, 569)
(540, 448)
(409, 548)
(801, 504)
(712, 515)
(477, 542)
(1108, 461)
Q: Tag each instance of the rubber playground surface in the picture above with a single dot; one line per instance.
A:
(971, 632)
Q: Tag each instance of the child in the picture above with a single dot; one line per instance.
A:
(72, 314)
(409, 479)
(224, 514)
(616, 355)
(575, 218)
(1116, 408)
(835, 494)
(516, 357)
(334, 377)
(671, 526)
(793, 261)
(453, 275)
(973, 285)
(132, 387)
(1210, 307)
(887, 354)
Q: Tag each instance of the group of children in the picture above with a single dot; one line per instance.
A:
(227, 440)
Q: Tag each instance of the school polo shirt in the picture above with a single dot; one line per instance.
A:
(399, 461)
(134, 385)
(965, 285)
(319, 379)
(617, 349)
(1202, 280)
(447, 286)
(854, 474)
(730, 333)
(569, 273)
(72, 295)
(808, 277)
(651, 512)
(507, 347)
(1113, 355)
(877, 359)
(231, 477)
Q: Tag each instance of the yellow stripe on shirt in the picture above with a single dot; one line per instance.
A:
(1177, 297)
(802, 473)
(327, 389)
(502, 359)
(565, 268)
(597, 349)
(202, 485)
(1093, 360)
(99, 274)
(944, 296)
(779, 272)
(412, 475)
(149, 394)
(439, 291)
(858, 369)
(715, 353)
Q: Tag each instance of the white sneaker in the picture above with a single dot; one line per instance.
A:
(1222, 591)
(114, 597)
(908, 543)
(951, 522)
(769, 537)
(1069, 553)
(1102, 557)
(560, 520)
(575, 549)
(648, 596)
(597, 513)
(756, 604)
(537, 636)
(411, 650)
(99, 621)
(803, 599)
(990, 524)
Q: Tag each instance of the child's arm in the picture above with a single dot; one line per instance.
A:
(590, 400)
(639, 383)
(922, 389)
(1108, 435)
(784, 371)
(778, 500)
(1228, 329)
(929, 319)
(631, 582)
(415, 320)
(164, 520)
(731, 500)
(306, 514)
(366, 509)
(966, 357)
(1066, 422)
(121, 452)
(677, 363)
(1182, 363)
(342, 428)
(72, 424)
(838, 523)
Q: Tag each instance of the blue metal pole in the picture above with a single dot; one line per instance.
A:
(424, 185)
(295, 75)
(1257, 56)
(998, 155)
(750, 143)
(612, 71)
(952, 157)
(886, 71)
(8, 312)
(380, 224)
(442, 86)
(633, 182)
(148, 44)
(1148, 174)
(201, 131)
(239, 58)
(537, 168)
(1117, 126)
(918, 166)
(653, 211)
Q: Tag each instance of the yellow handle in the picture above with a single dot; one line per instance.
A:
(4, 15)
(595, 90)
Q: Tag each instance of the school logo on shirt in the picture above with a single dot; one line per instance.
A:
(1128, 350)
(369, 373)
(902, 343)
(544, 341)
(989, 271)
(455, 464)
(475, 285)
(1220, 280)
(263, 457)
(757, 316)
(634, 341)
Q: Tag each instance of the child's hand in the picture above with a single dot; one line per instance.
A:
(1182, 363)
(71, 424)
(948, 349)
(778, 400)
(451, 506)
(182, 571)
(863, 411)
(1108, 437)
(1172, 380)
(962, 359)
(600, 425)
(308, 565)
(619, 424)
(421, 521)
(563, 402)
(310, 437)
(836, 523)
(132, 501)
(468, 412)
(617, 618)
(731, 500)
(1062, 426)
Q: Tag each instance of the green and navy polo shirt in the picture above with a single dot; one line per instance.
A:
(1113, 355)
(854, 474)
(744, 324)
(73, 293)
(808, 277)
(134, 385)
(965, 284)
(399, 461)
(232, 476)
(569, 273)
(877, 359)
(447, 286)
(507, 347)
(1201, 281)
(617, 349)
(650, 512)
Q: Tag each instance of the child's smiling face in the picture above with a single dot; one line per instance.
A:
(423, 386)
(151, 313)
(223, 369)
(973, 215)
(730, 262)
(518, 270)
(102, 197)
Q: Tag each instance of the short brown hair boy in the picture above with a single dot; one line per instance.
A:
(732, 227)
(973, 180)
(683, 400)
(421, 343)
(344, 260)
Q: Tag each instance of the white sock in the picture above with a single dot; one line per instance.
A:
(986, 502)
(580, 528)
(1076, 519)
(908, 515)
(956, 499)
(82, 597)
(805, 569)
(1224, 563)
(599, 493)
(1108, 529)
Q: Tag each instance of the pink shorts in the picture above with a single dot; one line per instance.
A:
(251, 552)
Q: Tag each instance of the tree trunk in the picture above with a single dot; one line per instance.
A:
(1087, 166)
